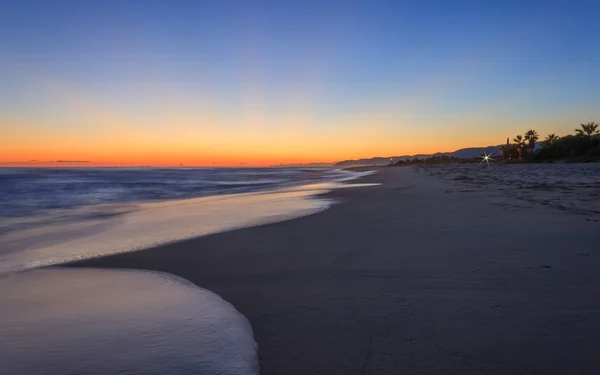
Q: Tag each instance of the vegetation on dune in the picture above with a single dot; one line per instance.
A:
(589, 129)
(510, 150)
(519, 145)
(571, 147)
(550, 140)
(583, 146)
(522, 147)
(531, 137)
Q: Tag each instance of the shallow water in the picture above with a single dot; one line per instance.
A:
(152, 224)
(41, 194)
(140, 225)
(94, 321)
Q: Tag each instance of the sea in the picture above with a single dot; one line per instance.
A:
(92, 321)
(37, 192)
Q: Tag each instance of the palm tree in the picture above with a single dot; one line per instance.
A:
(520, 144)
(588, 129)
(551, 139)
(505, 149)
(531, 136)
(509, 151)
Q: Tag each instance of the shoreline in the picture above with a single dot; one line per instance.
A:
(412, 276)
(105, 229)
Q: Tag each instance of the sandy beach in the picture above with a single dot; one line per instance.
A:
(440, 270)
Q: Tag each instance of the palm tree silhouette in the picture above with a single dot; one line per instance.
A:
(550, 139)
(588, 129)
(520, 143)
(531, 136)
(505, 151)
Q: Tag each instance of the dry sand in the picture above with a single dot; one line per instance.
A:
(436, 271)
(572, 188)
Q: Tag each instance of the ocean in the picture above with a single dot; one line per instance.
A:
(35, 192)
(54, 215)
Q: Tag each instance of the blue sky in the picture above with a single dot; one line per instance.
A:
(323, 68)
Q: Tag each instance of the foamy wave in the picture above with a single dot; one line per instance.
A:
(152, 224)
(94, 321)
(104, 229)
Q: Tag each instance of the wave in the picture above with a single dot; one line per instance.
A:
(67, 235)
(100, 321)
(27, 192)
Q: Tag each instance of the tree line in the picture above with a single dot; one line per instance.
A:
(583, 145)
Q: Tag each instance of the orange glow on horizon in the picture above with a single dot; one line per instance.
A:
(168, 132)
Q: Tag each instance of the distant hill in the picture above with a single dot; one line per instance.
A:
(463, 153)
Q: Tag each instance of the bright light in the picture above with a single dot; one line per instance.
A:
(486, 158)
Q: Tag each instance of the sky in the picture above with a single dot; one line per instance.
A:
(269, 82)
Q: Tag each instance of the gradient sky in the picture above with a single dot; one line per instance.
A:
(224, 82)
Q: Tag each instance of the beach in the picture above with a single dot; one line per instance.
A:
(299, 188)
(431, 272)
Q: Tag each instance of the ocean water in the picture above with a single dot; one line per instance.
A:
(94, 321)
(51, 216)
(27, 193)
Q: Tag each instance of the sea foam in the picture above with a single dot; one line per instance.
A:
(95, 321)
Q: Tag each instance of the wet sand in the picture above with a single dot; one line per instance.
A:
(424, 274)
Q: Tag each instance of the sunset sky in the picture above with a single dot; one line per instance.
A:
(223, 82)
